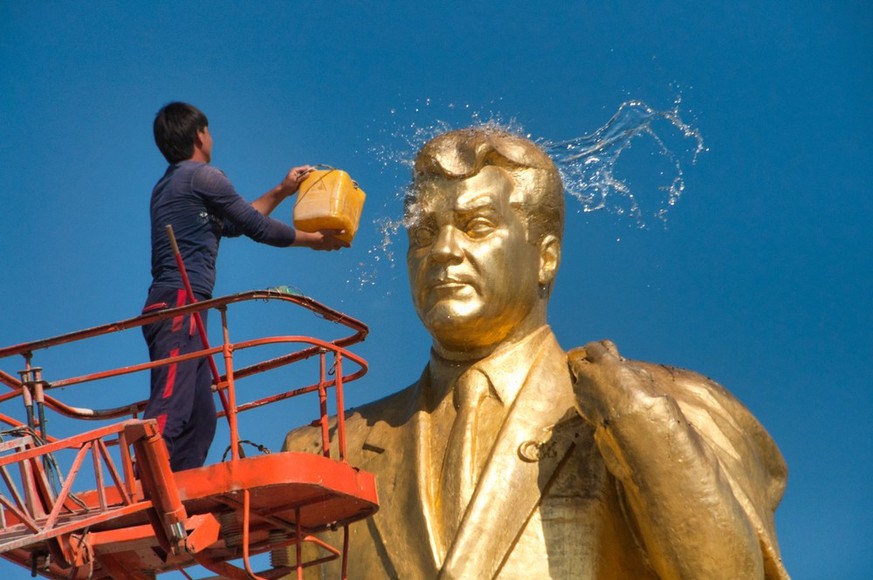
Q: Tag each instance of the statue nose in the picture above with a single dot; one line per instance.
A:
(447, 246)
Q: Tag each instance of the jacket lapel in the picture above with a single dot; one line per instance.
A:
(528, 450)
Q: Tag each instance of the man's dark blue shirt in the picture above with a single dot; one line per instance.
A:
(202, 206)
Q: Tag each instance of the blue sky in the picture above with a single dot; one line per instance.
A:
(760, 278)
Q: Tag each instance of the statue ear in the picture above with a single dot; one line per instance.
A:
(550, 258)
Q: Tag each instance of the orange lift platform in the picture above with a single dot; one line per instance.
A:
(134, 518)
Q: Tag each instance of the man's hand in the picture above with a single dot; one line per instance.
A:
(325, 240)
(606, 385)
(293, 179)
(288, 187)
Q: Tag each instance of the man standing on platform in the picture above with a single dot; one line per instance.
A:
(201, 205)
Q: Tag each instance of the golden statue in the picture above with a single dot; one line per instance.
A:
(511, 458)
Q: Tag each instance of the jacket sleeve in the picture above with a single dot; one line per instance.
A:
(750, 460)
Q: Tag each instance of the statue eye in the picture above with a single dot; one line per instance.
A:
(479, 227)
(421, 236)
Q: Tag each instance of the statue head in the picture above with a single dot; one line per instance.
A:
(485, 216)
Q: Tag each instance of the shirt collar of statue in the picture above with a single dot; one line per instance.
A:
(505, 368)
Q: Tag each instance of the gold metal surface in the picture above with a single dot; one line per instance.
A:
(512, 458)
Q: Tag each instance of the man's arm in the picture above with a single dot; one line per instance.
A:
(688, 518)
(252, 219)
(288, 187)
(320, 240)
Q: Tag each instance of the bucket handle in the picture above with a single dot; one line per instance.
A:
(317, 165)
(329, 169)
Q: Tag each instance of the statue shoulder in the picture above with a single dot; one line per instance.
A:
(392, 410)
(395, 408)
(728, 426)
(694, 390)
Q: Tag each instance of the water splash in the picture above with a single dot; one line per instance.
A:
(394, 146)
(398, 140)
(382, 252)
(589, 164)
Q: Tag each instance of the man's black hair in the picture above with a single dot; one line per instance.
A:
(176, 126)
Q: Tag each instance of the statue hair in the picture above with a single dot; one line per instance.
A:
(463, 153)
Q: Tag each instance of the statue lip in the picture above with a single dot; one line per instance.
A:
(450, 281)
(446, 286)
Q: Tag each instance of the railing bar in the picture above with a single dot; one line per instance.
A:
(28, 484)
(229, 402)
(113, 472)
(340, 405)
(98, 475)
(329, 314)
(69, 443)
(208, 352)
(322, 401)
(127, 466)
(121, 371)
(17, 442)
(68, 483)
(317, 346)
(242, 373)
(292, 393)
(21, 514)
(13, 489)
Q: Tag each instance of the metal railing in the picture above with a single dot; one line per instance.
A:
(38, 503)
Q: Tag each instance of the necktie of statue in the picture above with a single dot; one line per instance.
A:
(460, 464)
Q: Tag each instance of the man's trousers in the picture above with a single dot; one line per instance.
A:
(181, 393)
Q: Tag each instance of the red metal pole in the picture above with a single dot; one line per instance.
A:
(199, 321)
(322, 399)
(227, 349)
(340, 406)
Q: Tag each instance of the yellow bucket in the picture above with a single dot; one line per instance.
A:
(329, 200)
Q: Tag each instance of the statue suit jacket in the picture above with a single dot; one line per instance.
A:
(558, 512)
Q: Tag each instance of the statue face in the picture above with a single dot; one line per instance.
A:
(473, 274)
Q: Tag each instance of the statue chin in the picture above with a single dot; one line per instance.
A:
(464, 336)
(472, 328)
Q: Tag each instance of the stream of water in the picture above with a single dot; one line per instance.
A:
(590, 165)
